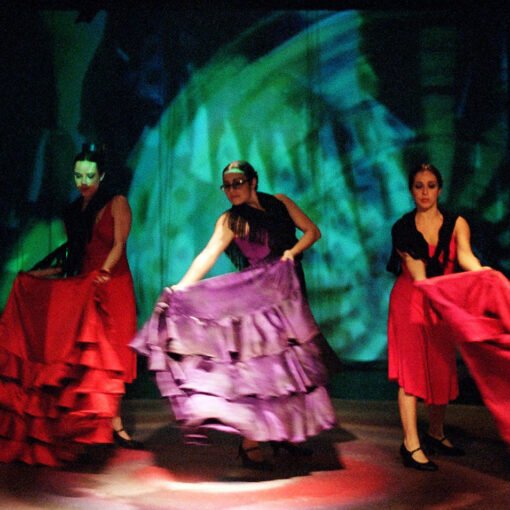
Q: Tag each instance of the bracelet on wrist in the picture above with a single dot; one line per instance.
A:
(105, 271)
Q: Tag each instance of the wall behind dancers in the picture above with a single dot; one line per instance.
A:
(334, 105)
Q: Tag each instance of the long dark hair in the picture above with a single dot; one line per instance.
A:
(79, 223)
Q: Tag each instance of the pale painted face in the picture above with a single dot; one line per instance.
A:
(87, 178)
(237, 188)
(425, 190)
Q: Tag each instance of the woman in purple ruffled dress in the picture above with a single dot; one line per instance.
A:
(242, 352)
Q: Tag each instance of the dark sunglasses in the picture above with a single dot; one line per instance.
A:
(234, 185)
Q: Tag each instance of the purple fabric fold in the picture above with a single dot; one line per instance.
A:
(237, 352)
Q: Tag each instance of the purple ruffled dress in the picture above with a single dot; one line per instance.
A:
(237, 353)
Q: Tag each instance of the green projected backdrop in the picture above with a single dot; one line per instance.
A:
(331, 107)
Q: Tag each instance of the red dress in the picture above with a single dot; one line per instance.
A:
(422, 364)
(64, 358)
(117, 295)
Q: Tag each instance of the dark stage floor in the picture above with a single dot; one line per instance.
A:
(355, 466)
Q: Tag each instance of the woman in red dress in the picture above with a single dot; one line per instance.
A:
(98, 226)
(64, 341)
(427, 242)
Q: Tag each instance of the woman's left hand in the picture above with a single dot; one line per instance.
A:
(103, 276)
(287, 255)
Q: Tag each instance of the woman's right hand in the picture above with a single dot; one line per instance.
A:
(287, 255)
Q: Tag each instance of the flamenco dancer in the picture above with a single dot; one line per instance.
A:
(241, 352)
(65, 331)
(427, 242)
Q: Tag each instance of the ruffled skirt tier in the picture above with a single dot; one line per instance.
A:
(238, 353)
(60, 379)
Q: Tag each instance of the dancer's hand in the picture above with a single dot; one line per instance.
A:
(287, 255)
(103, 276)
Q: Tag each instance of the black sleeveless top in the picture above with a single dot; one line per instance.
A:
(272, 225)
(406, 238)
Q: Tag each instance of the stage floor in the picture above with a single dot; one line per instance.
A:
(355, 466)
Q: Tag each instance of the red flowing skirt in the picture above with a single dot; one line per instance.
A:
(421, 357)
(61, 379)
(475, 306)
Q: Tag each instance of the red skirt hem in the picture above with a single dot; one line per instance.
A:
(61, 381)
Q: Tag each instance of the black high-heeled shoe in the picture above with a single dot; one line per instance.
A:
(433, 445)
(407, 459)
(248, 462)
(130, 444)
(293, 449)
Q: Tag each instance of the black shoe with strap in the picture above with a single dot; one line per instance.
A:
(130, 444)
(434, 445)
(407, 459)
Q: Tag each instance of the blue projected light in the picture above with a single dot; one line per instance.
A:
(331, 108)
(265, 116)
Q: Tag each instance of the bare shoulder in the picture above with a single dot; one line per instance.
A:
(223, 218)
(222, 223)
(120, 204)
(462, 231)
(461, 223)
(120, 201)
(222, 234)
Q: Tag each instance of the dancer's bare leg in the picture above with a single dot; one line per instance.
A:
(407, 405)
(118, 427)
(436, 423)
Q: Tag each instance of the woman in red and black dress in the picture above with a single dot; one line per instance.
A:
(64, 341)
(427, 242)
(98, 225)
